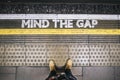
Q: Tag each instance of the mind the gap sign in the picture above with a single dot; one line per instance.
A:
(59, 22)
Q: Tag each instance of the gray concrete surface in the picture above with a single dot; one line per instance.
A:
(40, 73)
(98, 73)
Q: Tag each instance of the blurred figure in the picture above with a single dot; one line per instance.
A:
(60, 73)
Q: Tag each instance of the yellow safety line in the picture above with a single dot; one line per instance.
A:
(60, 31)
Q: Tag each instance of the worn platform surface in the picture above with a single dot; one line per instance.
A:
(40, 73)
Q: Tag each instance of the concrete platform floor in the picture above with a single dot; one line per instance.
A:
(40, 73)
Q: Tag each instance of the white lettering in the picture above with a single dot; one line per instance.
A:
(63, 23)
(70, 23)
(80, 23)
(94, 23)
(45, 23)
(55, 23)
(25, 23)
(87, 24)
(58, 23)
(31, 24)
(37, 24)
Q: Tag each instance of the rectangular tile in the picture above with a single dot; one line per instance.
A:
(7, 76)
(7, 70)
(98, 73)
(32, 73)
